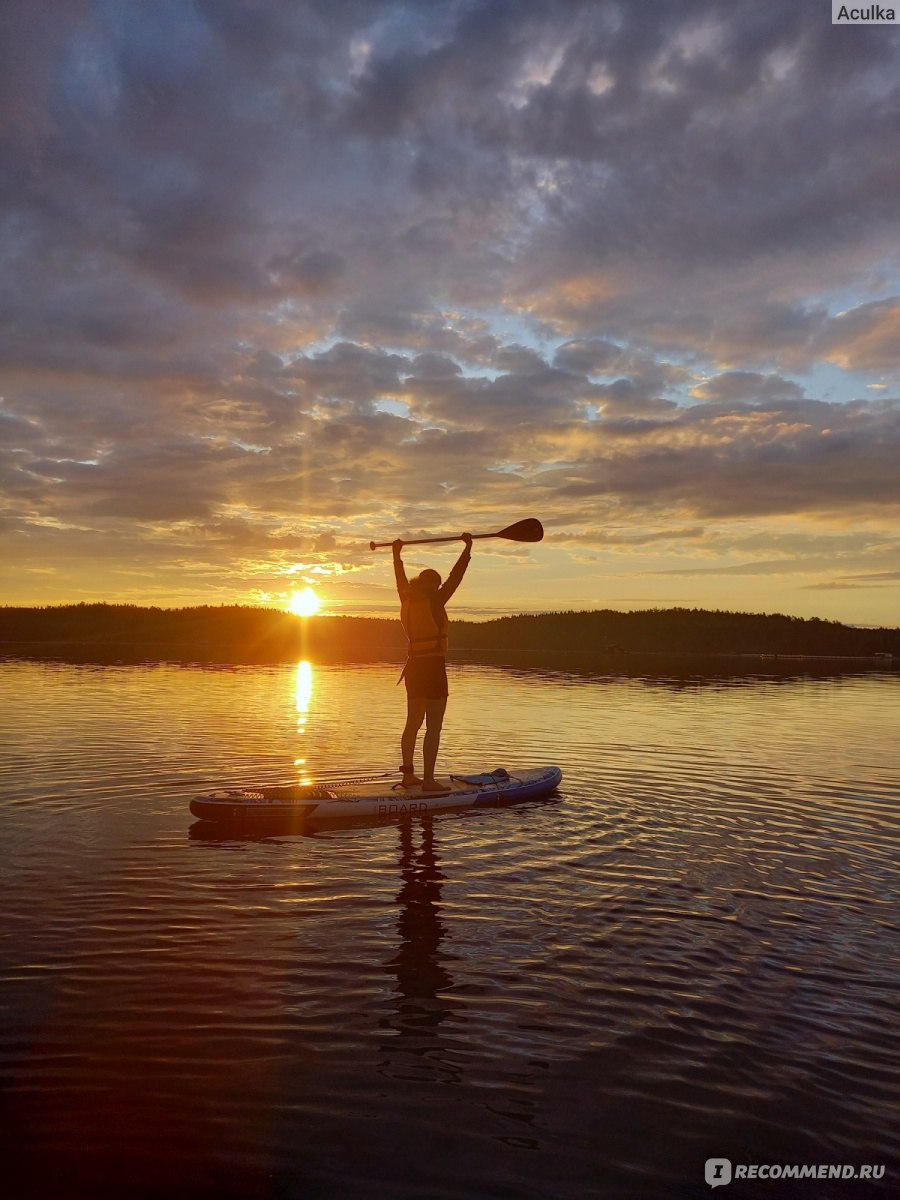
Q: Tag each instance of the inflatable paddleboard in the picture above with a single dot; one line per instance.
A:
(374, 797)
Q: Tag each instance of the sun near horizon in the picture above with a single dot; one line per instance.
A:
(304, 603)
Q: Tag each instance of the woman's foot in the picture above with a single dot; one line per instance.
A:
(432, 785)
(409, 777)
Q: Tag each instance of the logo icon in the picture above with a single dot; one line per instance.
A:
(718, 1171)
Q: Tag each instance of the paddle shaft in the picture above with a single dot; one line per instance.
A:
(453, 537)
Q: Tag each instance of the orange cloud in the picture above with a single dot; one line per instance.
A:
(865, 339)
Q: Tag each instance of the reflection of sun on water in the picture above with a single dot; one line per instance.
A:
(304, 688)
(304, 697)
(305, 603)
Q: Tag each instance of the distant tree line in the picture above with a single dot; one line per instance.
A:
(677, 631)
(236, 634)
(227, 634)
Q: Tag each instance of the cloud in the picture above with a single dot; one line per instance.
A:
(739, 459)
(738, 386)
(274, 273)
(863, 338)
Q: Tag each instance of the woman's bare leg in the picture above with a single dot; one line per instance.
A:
(434, 713)
(415, 715)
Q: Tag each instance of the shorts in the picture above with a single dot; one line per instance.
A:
(426, 677)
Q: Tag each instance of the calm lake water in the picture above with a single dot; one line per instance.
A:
(689, 953)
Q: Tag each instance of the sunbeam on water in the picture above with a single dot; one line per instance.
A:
(688, 953)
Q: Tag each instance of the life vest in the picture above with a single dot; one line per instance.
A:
(425, 621)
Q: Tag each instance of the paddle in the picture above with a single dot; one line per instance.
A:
(529, 530)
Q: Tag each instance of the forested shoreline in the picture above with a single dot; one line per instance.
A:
(239, 634)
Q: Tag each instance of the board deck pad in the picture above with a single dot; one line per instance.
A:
(379, 797)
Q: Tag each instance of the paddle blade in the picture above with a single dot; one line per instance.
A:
(529, 530)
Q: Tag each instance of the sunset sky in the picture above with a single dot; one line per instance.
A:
(281, 278)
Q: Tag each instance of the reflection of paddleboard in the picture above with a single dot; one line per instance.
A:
(376, 798)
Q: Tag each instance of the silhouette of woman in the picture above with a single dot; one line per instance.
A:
(424, 617)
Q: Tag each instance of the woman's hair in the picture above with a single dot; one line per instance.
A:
(428, 580)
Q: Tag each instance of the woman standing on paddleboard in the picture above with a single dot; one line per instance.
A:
(424, 618)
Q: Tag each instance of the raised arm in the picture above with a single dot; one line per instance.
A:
(399, 569)
(455, 578)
